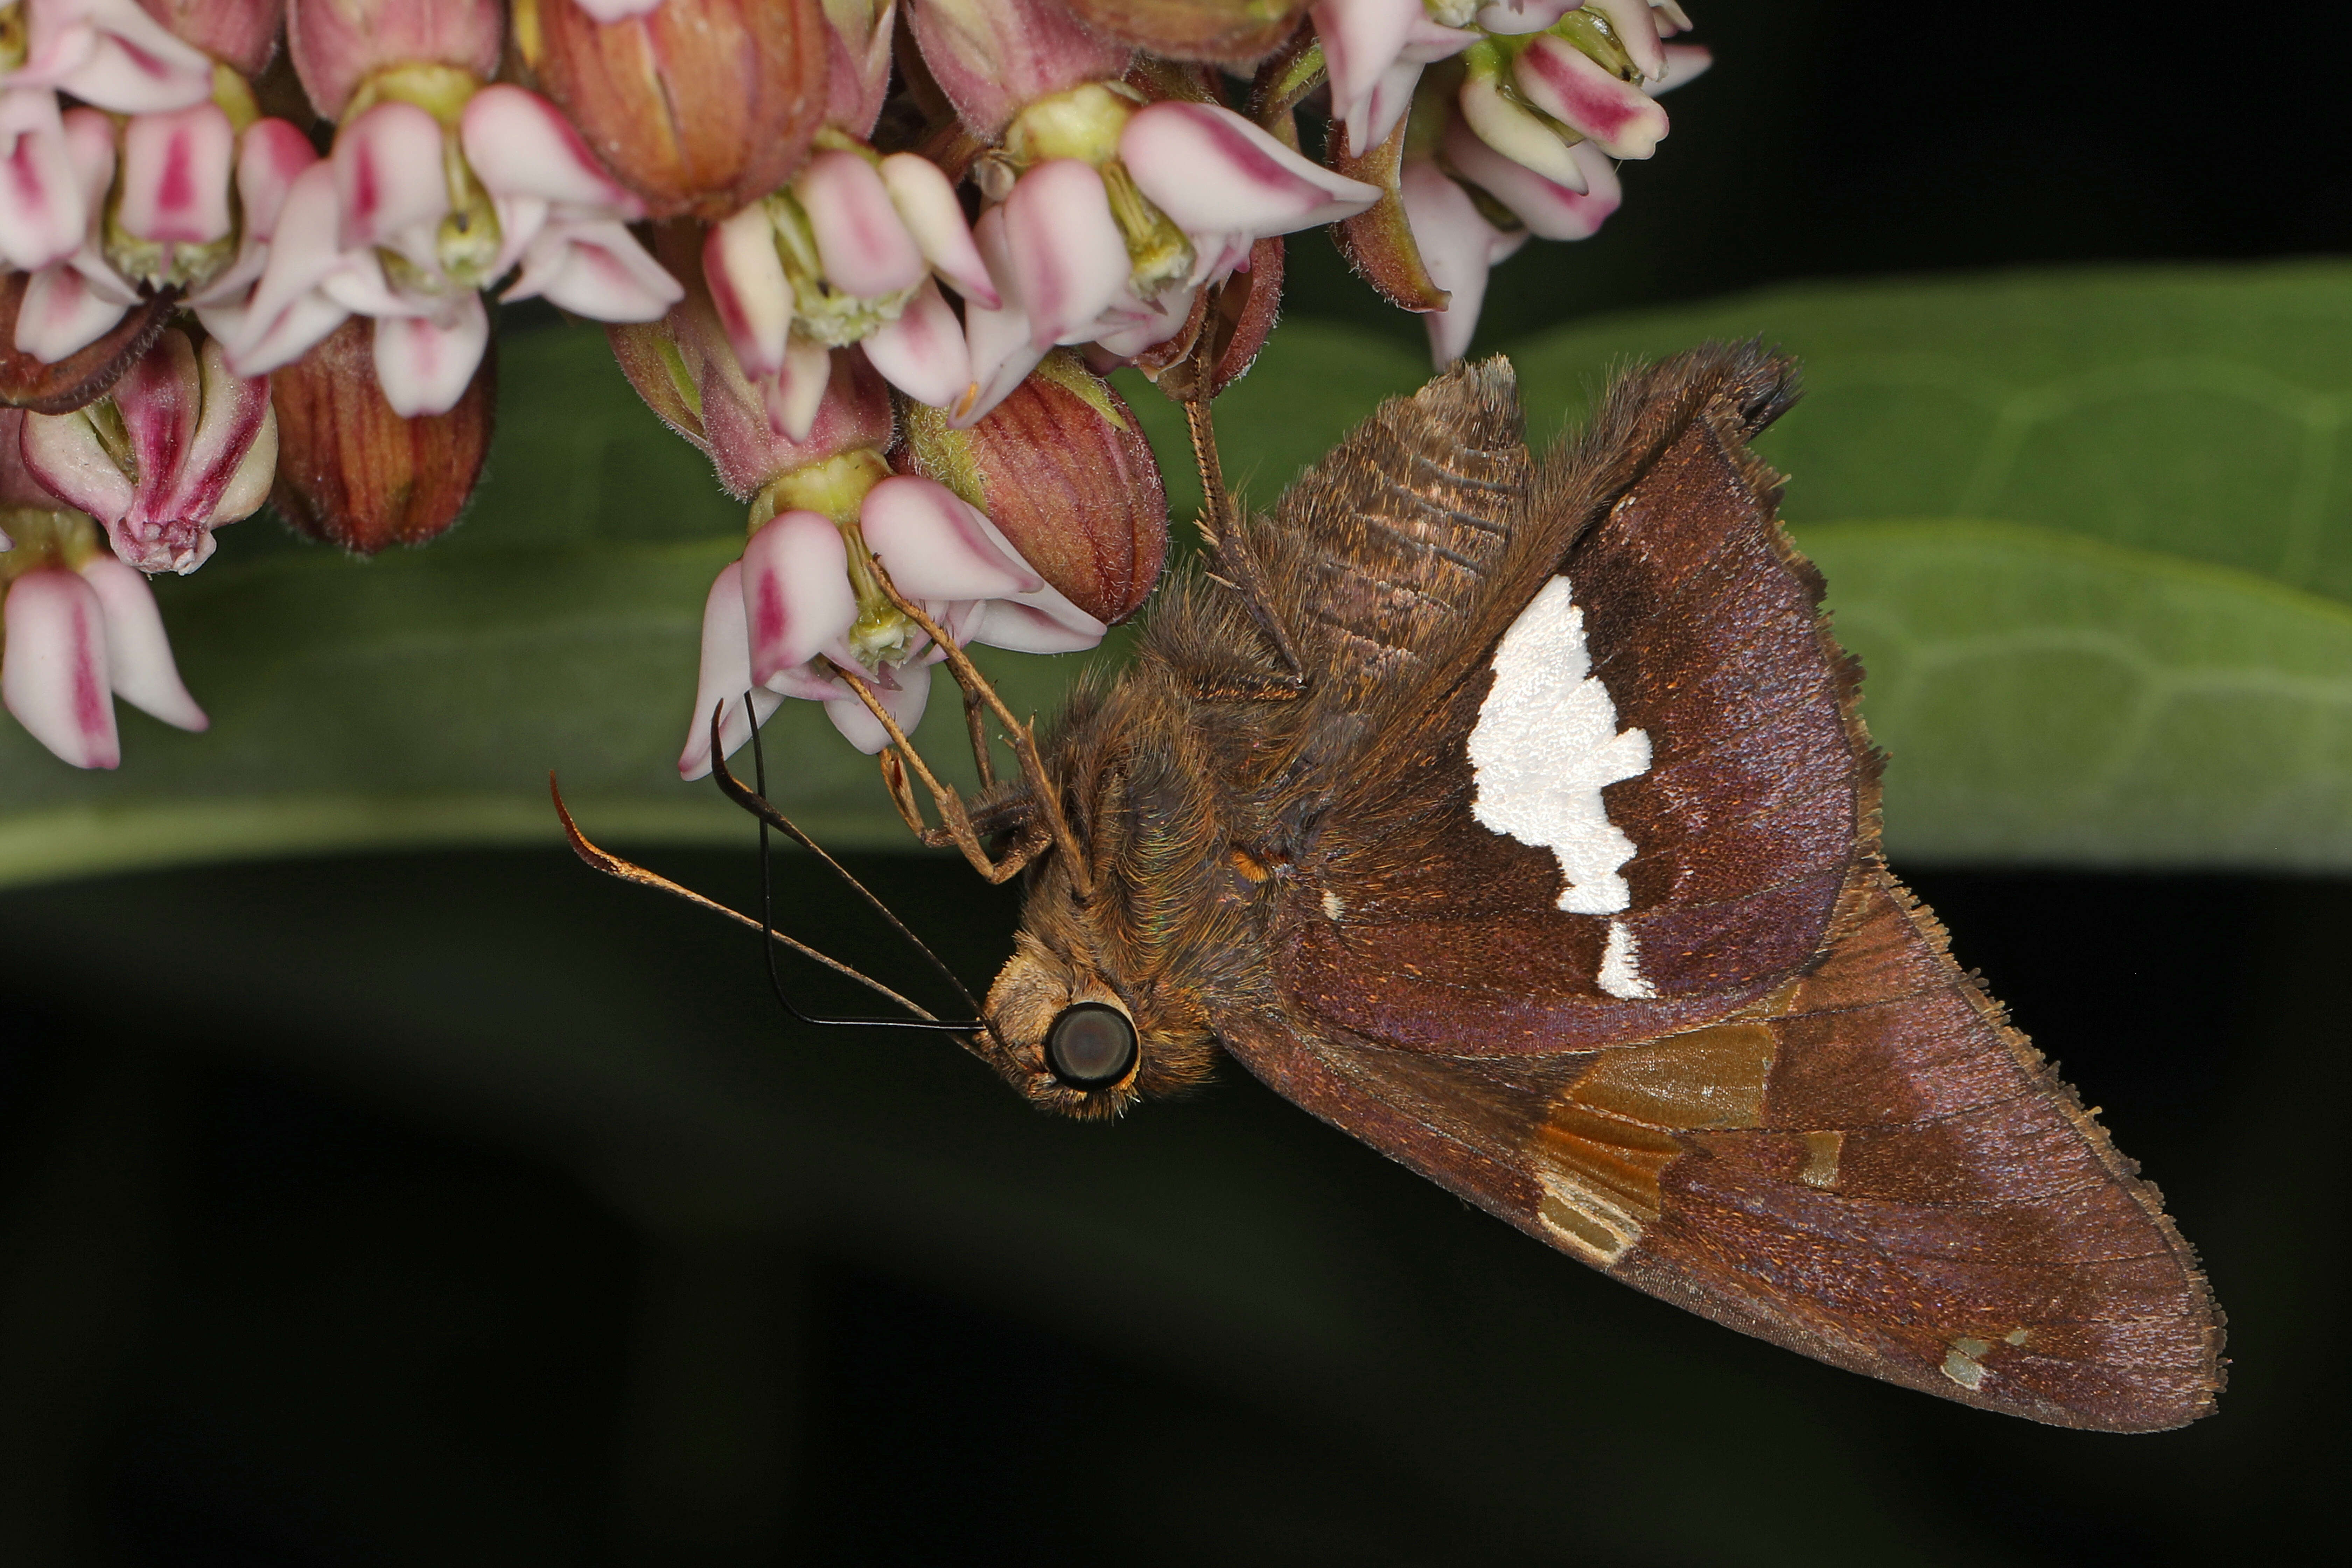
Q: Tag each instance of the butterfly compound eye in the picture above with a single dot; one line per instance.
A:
(1090, 1045)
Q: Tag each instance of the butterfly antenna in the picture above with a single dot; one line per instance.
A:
(613, 865)
(757, 803)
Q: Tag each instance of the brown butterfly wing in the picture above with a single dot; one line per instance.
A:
(1874, 1170)
(1409, 554)
(1816, 1130)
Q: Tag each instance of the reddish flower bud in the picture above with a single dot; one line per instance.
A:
(1228, 327)
(1063, 471)
(697, 106)
(1230, 32)
(338, 44)
(243, 33)
(350, 470)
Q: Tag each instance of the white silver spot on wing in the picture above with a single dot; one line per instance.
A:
(1621, 963)
(1545, 744)
(1963, 1364)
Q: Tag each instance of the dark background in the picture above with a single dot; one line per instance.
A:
(457, 1209)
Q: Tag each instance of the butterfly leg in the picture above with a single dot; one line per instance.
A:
(1237, 569)
(1022, 737)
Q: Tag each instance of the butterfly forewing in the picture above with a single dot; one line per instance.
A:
(1581, 913)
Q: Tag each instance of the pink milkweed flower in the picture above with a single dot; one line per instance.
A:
(81, 628)
(851, 252)
(412, 215)
(610, 11)
(1120, 211)
(111, 55)
(1568, 197)
(178, 448)
(802, 606)
(158, 215)
(44, 207)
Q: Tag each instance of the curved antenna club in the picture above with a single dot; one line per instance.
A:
(760, 806)
(614, 865)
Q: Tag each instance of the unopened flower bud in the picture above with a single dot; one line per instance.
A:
(697, 106)
(242, 34)
(1062, 470)
(178, 448)
(858, 60)
(350, 470)
(992, 57)
(1228, 32)
(338, 44)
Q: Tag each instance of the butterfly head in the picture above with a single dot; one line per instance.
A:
(1074, 1042)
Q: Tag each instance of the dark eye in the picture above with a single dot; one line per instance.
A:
(1090, 1045)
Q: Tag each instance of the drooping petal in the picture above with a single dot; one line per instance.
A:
(1025, 628)
(724, 677)
(1550, 211)
(1003, 351)
(927, 204)
(1457, 246)
(387, 171)
(1636, 27)
(1686, 63)
(1069, 260)
(1360, 40)
(65, 310)
(520, 145)
(424, 363)
(112, 54)
(904, 705)
(175, 176)
(1564, 82)
(139, 662)
(1212, 172)
(936, 546)
(795, 393)
(861, 241)
(53, 668)
(269, 155)
(595, 269)
(923, 354)
(1517, 134)
(797, 596)
(749, 289)
(43, 216)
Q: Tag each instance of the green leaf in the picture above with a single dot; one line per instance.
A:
(2141, 662)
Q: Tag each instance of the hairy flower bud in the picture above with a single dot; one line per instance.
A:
(697, 106)
(242, 34)
(1229, 32)
(1062, 470)
(350, 470)
(338, 44)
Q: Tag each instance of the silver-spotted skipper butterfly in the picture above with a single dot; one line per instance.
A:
(1515, 817)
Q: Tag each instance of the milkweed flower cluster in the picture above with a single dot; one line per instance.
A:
(872, 255)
